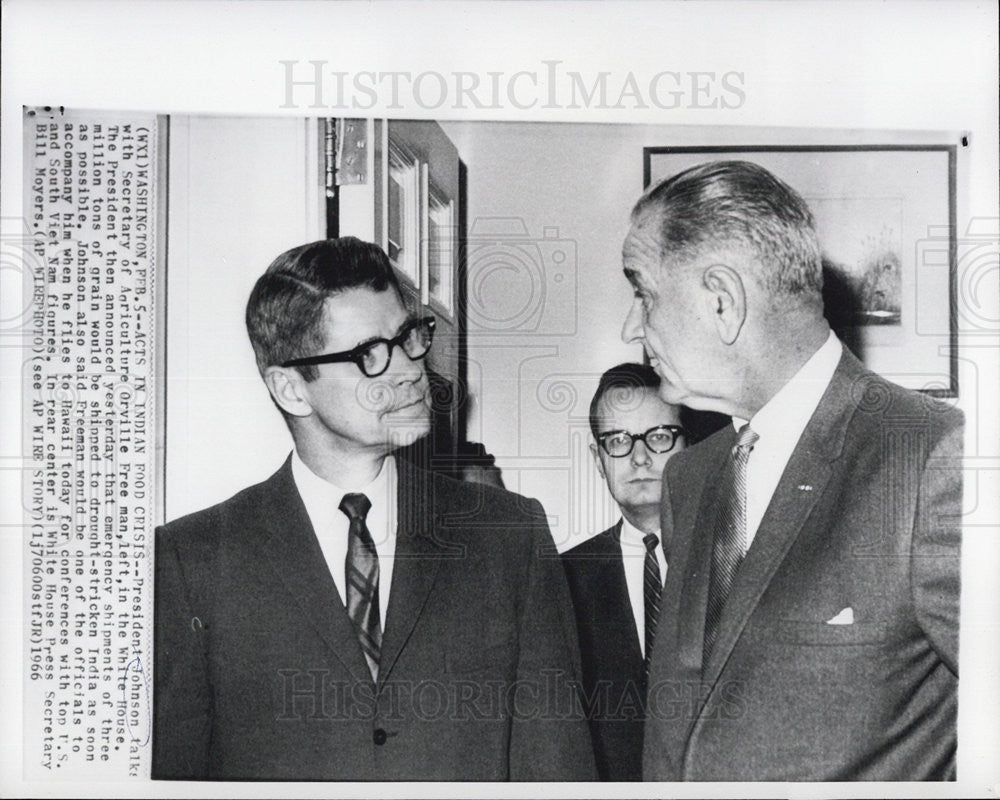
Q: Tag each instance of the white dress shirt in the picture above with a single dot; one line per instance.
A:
(780, 423)
(634, 560)
(322, 502)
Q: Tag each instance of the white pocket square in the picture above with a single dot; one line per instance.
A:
(845, 617)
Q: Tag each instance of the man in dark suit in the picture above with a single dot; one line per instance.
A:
(272, 659)
(809, 620)
(615, 578)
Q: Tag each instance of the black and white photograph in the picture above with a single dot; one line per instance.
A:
(403, 398)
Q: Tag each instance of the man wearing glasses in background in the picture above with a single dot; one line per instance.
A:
(616, 577)
(355, 617)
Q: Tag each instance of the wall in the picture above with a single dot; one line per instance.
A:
(241, 191)
(536, 347)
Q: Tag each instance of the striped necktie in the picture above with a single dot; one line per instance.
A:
(651, 587)
(729, 545)
(361, 573)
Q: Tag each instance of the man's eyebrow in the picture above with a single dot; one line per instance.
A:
(632, 276)
(613, 430)
(410, 319)
(372, 339)
(366, 342)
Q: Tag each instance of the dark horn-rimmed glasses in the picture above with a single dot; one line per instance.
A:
(373, 357)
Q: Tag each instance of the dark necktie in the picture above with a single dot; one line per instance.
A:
(729, 544)
(361, 572)
(651, 587)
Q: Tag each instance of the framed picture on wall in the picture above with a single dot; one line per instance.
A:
(885, 215)
(415, 204)
(401, 209)
(440, 239)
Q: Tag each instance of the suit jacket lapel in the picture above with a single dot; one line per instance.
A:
(294, 553)
(810, 465)
(416, 561)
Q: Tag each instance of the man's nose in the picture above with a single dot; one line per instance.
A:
(403, 368)
(640, 454)
(632, 327)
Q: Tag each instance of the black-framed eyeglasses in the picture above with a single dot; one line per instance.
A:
(373, 357)
(660, 439)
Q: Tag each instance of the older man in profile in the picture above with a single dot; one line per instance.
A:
(809, 619)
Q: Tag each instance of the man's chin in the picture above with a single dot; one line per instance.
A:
(642, 494)
(689, 396)
(403, 431)
(669, 393)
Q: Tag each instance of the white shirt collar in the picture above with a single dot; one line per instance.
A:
(633, 545)
(780, 424)
(787, 413)
(632, 536)
(322, 498)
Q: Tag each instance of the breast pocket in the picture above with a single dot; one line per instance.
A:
(822, 634)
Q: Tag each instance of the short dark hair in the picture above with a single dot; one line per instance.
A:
(285, 311)
(740, 201)
(622, 378)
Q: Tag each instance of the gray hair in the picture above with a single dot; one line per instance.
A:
(725, 202)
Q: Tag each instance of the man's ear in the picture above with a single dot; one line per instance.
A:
(728, 298)
(597, 460)
(287, 387)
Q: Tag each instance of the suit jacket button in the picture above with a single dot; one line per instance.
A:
(379, 736)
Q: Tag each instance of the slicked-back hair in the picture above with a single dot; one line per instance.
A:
(285, 311)
(621, 381)
(721, 203)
